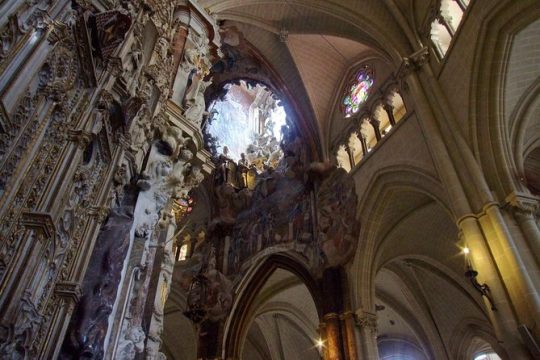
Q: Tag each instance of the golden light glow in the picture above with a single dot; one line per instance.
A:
(319, 343)
(466, 250)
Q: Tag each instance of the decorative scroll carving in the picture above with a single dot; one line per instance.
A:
(42, 169)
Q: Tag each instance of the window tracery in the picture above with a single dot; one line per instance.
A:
(358, 91)
(487, 356)
(371, 127)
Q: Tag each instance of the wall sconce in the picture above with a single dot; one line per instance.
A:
(319, 344)
(471, 274)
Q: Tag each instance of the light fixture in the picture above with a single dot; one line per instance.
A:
(471, 274)
(319, 343)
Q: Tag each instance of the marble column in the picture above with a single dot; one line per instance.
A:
(332, 307)
(86, 332)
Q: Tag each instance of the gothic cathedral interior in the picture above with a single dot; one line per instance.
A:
(270, 179)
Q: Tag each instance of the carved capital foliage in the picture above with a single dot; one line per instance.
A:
(524, 205)
(68, 290)
(367, 320)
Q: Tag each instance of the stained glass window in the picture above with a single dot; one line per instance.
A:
(357, 91)
(182, 207)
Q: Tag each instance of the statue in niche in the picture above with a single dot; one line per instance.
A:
(140, 132)
(195, 105)
(226, 169)
(243, 169)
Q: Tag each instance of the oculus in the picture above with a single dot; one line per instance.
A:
(357, 91)
(246, 124)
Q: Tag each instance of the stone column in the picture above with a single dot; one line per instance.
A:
(390, 112)
(366, 323)
(332, 307)
(376, 126)
(525, 208)
(350, 152)
(363, 140)
(468, 190)
(333, 349)
(503, 320)
(428, 122)
(349, 335)
(515, 264)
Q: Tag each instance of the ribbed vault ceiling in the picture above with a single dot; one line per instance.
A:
(324, 39)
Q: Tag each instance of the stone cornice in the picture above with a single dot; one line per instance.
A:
(68, 290)
(41, 222)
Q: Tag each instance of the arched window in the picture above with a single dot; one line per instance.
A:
(182, 206)
(487, 356)
(355, 146)
(446, 22)
(182, 255)
(357, 91)
(368, 132)
(343, 158)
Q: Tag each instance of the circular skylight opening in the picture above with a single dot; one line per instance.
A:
(248, 120)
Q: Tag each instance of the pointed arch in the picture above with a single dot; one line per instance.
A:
(491, 132)
(405, 177)
(255, 278)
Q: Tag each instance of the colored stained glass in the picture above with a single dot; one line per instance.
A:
(358, 92)
(182, 206)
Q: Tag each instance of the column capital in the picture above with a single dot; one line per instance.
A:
(413, 62)
(374, 121)
(81, 138)
(367, 320)
(387, 106)
(68, 290)
(523, 204)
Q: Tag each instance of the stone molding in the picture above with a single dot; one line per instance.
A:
(68, 290)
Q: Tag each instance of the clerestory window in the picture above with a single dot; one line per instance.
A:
(446, 22)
